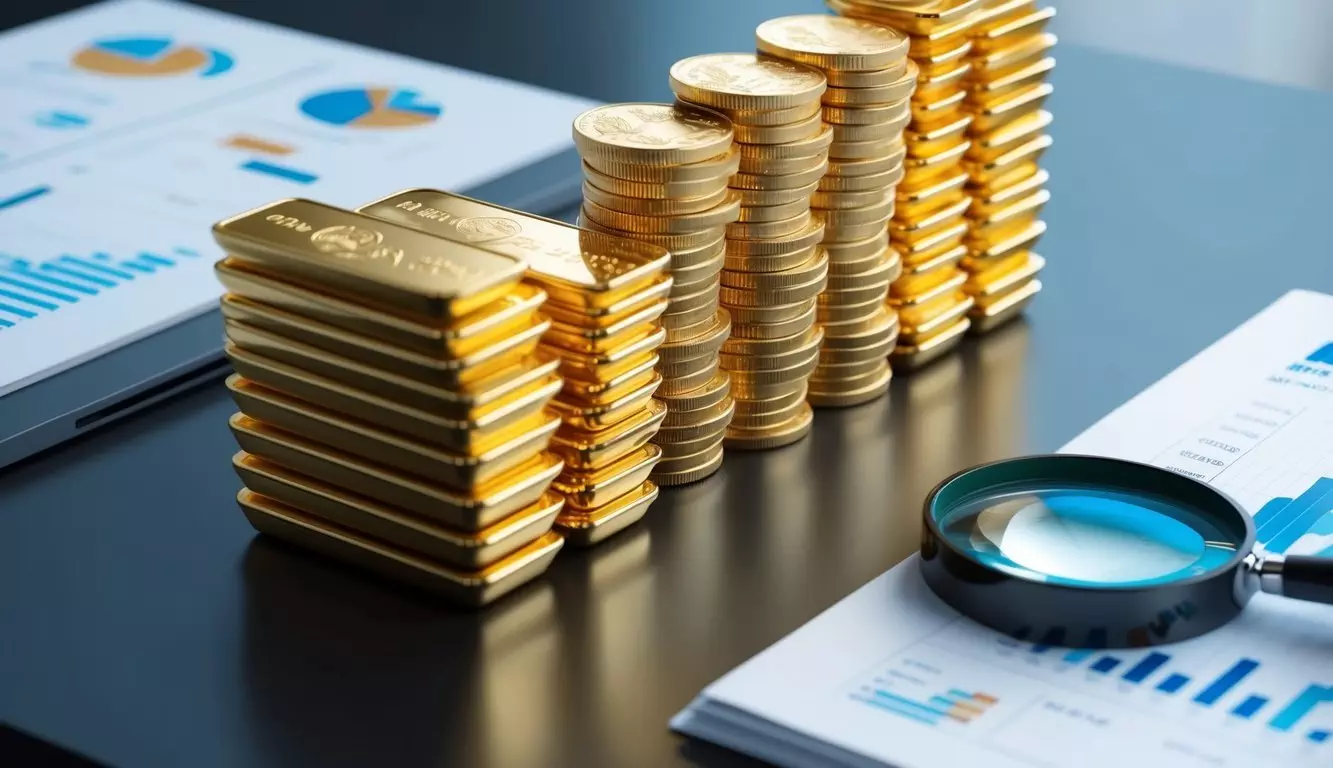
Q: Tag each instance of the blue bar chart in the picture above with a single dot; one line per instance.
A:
(954, 705)
(1282, 521)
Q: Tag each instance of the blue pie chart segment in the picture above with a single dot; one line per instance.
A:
(371, 107)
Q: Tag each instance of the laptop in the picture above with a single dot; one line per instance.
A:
(131, 126)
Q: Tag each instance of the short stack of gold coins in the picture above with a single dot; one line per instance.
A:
(659, 173)
(929, 226)
(773, 271)
(393, 407)
(1007, 87)
(606, 294)
(867, 105)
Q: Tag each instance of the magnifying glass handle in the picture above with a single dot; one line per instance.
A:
(1299, 577)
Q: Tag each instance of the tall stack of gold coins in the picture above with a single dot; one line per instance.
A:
(773, 272)
(929, 225)
(659, 173)
(606, 295)
(866, 106)
(1010, 63)
(393, 409)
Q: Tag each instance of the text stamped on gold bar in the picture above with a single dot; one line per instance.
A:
(557, 254)
(370, 259)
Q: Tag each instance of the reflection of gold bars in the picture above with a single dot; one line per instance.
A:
(469, 587)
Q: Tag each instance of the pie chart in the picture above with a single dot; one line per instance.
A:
(150, 57)
(371, 107)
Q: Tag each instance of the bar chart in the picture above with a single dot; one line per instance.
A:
(1283, 521)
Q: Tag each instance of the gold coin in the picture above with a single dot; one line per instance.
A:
(675, 450)
(834, 312)
(703, 371)
(792, 352)
(782, 166)
(765, 230)
(688, 241)
(777, 329)
(720, 166)
(878, 211)
(888, 259)
(889, 129)
(772, 263)
(771, 116)
(877, 350)
(809, 234)
(883, 322)
(878, 115)
(831, 42)
(761, 385)
(652, 134)
(786, 181)
(770, 414)
(852, 370)
(869, 166)
(654, 190)
(717, 389)
(847, 232)
(640, 206)
(869, 79)
(835, 395)
(745, 320)
(743, 298)
(745, 81)
(881, 182)
(883, 272)
(862, 150)
(687, 367)
(688, 258)
(771, 348)
(812, 268)
(853, 297)
(709, 422)
(679, 305)
(695, 474)
(706, 344)
(686, 323)
(826, 200)
(697, 278)
(857, 250)
(775, 437)
(826, 378)
(668, 225)
(758, 198)
(780, 134)
(803, 148)
(689, 462)
(784, 211)
(877, 95)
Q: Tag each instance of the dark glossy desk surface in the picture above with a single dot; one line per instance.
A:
(145, 624)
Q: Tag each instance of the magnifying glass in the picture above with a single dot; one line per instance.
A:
(1085, 551)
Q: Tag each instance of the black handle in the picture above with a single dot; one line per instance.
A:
(1308, 578)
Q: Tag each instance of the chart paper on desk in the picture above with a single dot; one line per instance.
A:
(129, 127)
(892, 676)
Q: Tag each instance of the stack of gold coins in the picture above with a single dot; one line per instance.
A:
(606, 295)
(659, 173)
(1010, 63)
(929, 225)
(867, 105)
(393, 407)
(773, 270)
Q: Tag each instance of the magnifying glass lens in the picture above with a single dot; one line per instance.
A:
(1088, 536)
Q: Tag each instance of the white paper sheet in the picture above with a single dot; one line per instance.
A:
(865, 682)
(101, 163)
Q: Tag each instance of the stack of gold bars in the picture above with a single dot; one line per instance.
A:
(659, 173)
(929, 225)
(773, 272)
(606, 296)
(1010, 63)
(393, 408)
(867, 105)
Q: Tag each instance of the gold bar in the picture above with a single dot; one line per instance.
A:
(991, 115)
(498, 499)
(367, 441)
(576, 267)
(601, 317)
(1004, 308)
(1004, 277)
(910, 356)
(582, 449)
(476, 433)
(930, 273)
(447, 381)
(378, 262)
(979, 258)
(459, 549)
(583, 529)
(987, 204)
(599, 366)
(587, 490)
(935, 318)
(1002, 222)
(595, 416)
(591, 340)
(612, 389)
(475, 588)
(252, 289)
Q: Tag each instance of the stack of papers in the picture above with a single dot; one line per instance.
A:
(891, 676)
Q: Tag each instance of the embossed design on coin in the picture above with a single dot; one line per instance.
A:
(745, 73)
(669, 133)
(479, 229)
(830, 34)
(345, 238)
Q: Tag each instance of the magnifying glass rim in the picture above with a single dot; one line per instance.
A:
(1243, 549)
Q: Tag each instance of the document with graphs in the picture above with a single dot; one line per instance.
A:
(890, 676)
(129, 127)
